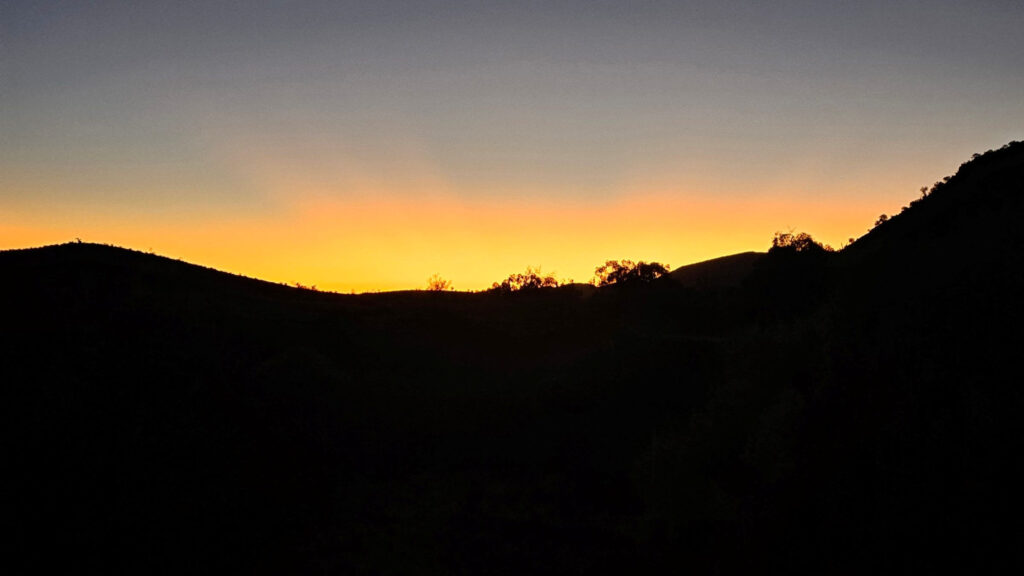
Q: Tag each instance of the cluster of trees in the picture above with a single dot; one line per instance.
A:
(532, 279)
(622, 271)
(611, 272)
(802, 242)
(628, 272)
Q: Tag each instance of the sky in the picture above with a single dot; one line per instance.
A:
(365, 146)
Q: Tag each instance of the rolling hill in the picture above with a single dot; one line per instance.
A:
(723, 272)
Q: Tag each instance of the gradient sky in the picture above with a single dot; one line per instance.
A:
(367, 145)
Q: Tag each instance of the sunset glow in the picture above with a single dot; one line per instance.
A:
(366, 146)
(391, 245)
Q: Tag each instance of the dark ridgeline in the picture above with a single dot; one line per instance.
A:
(835, 412)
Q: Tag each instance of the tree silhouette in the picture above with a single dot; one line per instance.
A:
(622, 271)
(532, 279)
(802, 242)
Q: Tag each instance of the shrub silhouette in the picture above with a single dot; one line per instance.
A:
(622, 271)
(438, 284)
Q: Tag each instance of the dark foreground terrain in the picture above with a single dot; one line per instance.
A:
(840, 412)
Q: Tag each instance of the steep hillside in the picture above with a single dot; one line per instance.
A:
(907, 391)
(965, 219)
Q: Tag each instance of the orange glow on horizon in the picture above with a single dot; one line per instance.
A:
(390, 244)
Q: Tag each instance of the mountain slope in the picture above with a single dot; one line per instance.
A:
(722, 272)
(913, 410)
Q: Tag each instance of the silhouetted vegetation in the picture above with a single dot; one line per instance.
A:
(438, 284)
(803, 410)
(528, 281)
(627, 271)
(800, 242)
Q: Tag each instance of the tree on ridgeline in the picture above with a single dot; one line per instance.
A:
(627, 271)
(802, 242)
(531, 280)
(792, 278)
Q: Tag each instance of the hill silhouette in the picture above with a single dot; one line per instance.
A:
(801, 409)
(722, 272)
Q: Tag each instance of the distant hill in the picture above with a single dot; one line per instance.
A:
(60, 263)
(723, 272)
